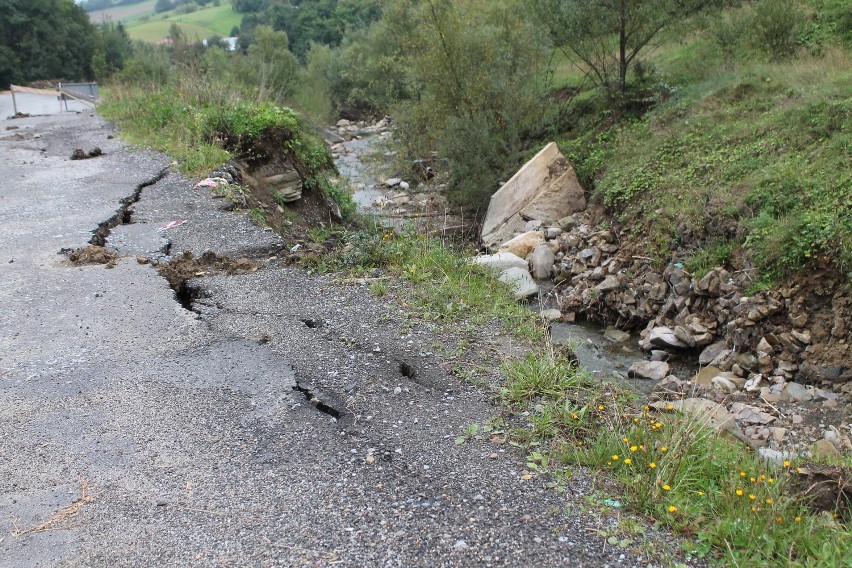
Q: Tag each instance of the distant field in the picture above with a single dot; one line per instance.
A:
(219, 19)
(153, 32)
(123, 13)
(216, 20)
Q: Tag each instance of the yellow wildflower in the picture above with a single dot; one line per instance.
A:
(798, 519)
(628, 461)
(739, 492)
(787, 464)
(615, 457)
(667, 487)
(769, 501)
(672, 509)
(752, 497)
(634, 448)
(652, 465)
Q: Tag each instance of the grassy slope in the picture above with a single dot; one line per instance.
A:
(123, 13)
(155, 31)
(201, 24)
(747, 162)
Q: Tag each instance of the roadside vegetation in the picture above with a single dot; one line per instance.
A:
(722, 140)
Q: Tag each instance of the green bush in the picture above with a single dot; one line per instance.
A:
(777, 25)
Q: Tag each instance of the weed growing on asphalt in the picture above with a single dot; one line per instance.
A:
(449, 288)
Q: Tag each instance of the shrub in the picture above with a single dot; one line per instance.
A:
(777, 25)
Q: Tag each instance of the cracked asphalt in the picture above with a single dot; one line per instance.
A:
(287, 420)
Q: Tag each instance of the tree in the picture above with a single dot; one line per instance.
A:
(116, 46)
(45, 39)
(607, 36)
(274, 70)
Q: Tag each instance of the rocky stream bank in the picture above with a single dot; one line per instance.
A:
(774, 367)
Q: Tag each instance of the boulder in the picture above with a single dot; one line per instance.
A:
(664, 337)
(545, 188)
(616, 335)
(523, 244)
(521, 282)
(749, 414)
(653, 370)
(285, 186)
(609, 283)
(711, 352)
(501, 261)
(724, 384)
(551, 315)
(797, 392)
(541, 262)
(706, 411)
(705, 376)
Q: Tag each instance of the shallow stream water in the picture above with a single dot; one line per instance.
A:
(361, 163)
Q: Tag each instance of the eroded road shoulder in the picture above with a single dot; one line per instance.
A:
(260, 417)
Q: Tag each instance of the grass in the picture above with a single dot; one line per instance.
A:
(449, 289)
(124, 13)
(218, 19)
(675, 468)
(143, 24)
(202, 125)
(154, 32)
(763, 145)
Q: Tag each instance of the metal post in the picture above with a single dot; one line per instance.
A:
(14, 103)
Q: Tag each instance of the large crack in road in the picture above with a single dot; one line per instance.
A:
(237, 433)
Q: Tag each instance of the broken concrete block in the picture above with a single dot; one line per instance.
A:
(544, 189)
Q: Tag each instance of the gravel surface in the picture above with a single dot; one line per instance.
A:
(286, 420)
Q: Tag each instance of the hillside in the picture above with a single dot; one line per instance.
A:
(143, 23)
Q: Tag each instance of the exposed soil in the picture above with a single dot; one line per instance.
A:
(187, 266)
(93, 254)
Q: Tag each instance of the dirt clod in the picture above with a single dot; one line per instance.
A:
(80, 154)
(94, 254)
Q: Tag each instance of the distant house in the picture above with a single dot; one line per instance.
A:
(230, 43)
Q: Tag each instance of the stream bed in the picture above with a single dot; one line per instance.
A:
(363, 156)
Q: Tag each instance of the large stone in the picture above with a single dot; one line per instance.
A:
(711, 352)
(705, 376)
(616, 335)
(501, 261)
(797, 392)
(824, 449)
(703, 410)
(545, 189)
(541, 262)
(523, 244)
(653, 370)
(749, 414)
(285, 186)
(521, 281)
(610, 283)
(665, 337)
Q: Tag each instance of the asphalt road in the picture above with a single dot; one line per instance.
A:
(136, 432)
(37, 105)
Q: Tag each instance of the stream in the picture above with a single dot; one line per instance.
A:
(363, 155)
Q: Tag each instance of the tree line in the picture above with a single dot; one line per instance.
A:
(54, 40)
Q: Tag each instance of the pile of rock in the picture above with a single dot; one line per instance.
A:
(349, 130)
(754, 350)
